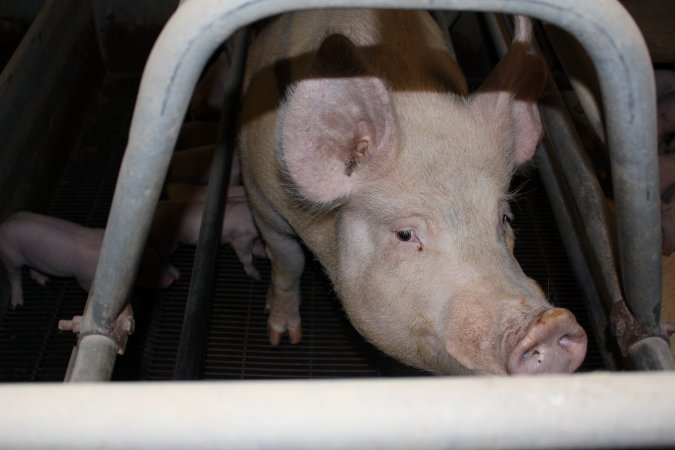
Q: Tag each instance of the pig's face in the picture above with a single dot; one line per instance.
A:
(418, 184)
(426, 265)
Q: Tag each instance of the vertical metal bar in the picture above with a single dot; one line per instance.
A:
(94, 359)
(587, 192)
(195, 320)
(590, 208)
(585, 272)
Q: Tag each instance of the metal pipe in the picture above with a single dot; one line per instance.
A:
(596, 275)
(651, 353)
(581, 180)
(559, 161)
(195, 319)
(590, 209)
(594, 293)
(94, 359)
(589, 198)
(192, 34)
(598, 410)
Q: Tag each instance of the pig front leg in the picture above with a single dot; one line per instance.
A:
(283, 295)
(16, 288)
(38, 277)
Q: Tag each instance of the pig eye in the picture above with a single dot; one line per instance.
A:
(507, 219)
(404, 235)
(409, 236)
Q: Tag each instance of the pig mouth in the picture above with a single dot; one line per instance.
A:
(553, 343)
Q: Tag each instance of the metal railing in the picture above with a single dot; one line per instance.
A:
(580, 410)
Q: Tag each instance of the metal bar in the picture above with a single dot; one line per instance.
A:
(94, 359)
(195, 319)
(559, 161)
(579, 174)
(594, 294)
(600, 410)
(652, 353)
(192, 34)
(590, 209)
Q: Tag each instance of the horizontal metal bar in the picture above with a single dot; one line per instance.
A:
(598, 410)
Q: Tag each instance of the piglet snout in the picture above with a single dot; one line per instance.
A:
(554, 343)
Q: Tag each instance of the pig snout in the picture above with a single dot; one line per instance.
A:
(553, 343)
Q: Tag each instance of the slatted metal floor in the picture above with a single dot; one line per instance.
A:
(32, 349)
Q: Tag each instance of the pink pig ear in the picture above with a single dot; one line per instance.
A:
(337, 129)
(508, 97)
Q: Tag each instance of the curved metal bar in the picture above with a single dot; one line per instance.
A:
(603, 27)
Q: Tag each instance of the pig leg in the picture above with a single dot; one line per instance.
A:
(283, 296)
(259, 248)
(243, 247)
(38, 277)
(16, 296)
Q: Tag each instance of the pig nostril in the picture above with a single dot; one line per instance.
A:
(533, 354)
(554, 342)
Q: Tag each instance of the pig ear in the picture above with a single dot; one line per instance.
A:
(508, 97)
(338, 128)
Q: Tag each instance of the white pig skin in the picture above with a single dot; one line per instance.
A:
(56, 247)
(359, 138)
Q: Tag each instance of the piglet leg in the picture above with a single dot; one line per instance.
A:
(14, 276)
(243, 247)
(39, 277)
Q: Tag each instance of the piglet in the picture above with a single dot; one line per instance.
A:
(179, 221)
(51, 246)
